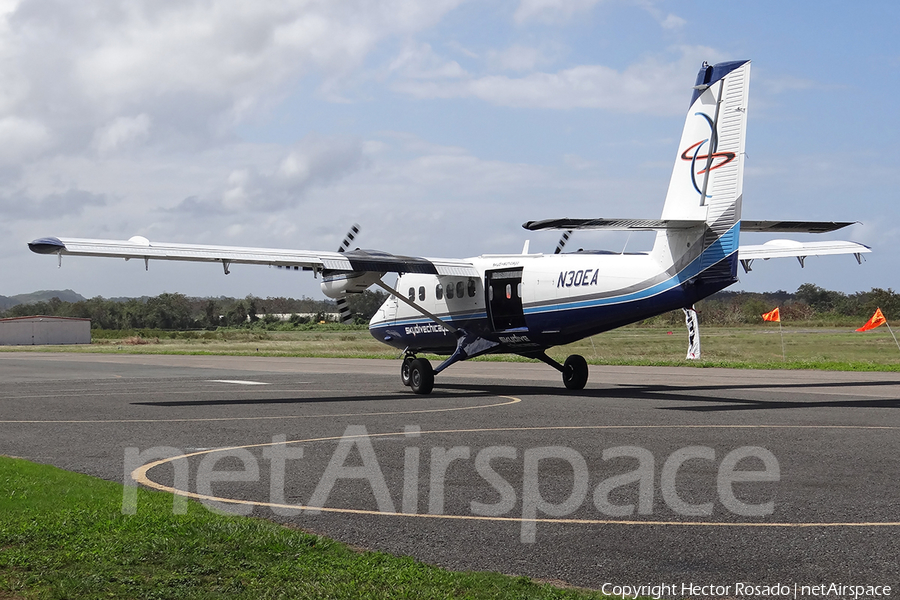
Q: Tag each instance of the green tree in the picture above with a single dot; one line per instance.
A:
(887, 300)
(169, 311)
(821, 300)
(211, 313)
(251, 309)
(363, 306)
(236, 315)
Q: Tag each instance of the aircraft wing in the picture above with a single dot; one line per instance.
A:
(791, 248)
(310, 260)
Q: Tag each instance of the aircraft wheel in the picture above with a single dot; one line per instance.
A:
(404, 369)
(421, 376)
(575, 372)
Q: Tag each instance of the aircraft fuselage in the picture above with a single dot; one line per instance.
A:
(530, 302)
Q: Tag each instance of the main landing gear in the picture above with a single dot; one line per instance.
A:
(418, 374)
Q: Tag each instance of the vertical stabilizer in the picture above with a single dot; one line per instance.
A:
(707, 178)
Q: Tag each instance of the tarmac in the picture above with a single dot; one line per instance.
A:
(649, 476)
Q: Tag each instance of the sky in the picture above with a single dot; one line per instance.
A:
(440, 126)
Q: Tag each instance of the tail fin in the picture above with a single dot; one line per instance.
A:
(707, 178)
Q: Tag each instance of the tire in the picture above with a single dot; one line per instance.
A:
(575, 372)
(421, 376)
(404, 369)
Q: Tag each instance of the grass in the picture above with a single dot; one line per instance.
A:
(744, 347)
(63, 535)
(805, 347)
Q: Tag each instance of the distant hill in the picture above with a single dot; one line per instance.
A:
(40, 296)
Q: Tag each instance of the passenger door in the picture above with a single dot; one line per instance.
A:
(504, 299)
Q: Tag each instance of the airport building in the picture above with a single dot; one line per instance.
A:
(39, 331)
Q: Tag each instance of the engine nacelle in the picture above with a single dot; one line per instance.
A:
(336, 285)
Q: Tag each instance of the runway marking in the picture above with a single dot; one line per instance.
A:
(510, 400)
(238, 382)
(140, 476)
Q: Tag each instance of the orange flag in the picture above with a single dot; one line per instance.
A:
(772, 316)
(876, 320)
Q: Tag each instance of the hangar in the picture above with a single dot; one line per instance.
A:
(41, 330)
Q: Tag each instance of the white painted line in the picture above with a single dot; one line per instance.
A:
(237, 381)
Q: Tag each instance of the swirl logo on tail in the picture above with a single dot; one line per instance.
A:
(693, 154)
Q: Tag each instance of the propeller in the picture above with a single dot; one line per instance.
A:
(342, 305)
(563, 240)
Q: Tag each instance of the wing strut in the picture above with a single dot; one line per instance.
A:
(417, 308)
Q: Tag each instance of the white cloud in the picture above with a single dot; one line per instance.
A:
(193, 67)
(521, 58)
(68, 203)
(419, 61)
(22, 138)
(550, 10)
(652, 86)
(457, 47)
(265, 188)
(121, 132)
(578, 163)
(673, 22)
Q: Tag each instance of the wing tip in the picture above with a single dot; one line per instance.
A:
(47, 245)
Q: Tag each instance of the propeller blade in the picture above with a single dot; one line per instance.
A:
(344, 310)
(562, 241)
(342, 305)
(351, 235)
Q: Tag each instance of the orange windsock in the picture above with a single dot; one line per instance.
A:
(772, 316)
(876, 320)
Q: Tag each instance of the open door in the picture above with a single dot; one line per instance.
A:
(504, 299)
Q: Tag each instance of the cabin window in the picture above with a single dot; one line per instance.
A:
(460, 289)
(439, 292)
(412, 294)
(421, 292)
(449, 291)
(471, 288)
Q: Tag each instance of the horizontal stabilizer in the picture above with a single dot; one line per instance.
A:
(798, 250)
(788, 248)
(793, 226)
(611, 224)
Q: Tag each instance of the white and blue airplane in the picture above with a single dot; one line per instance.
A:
(526, 303)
